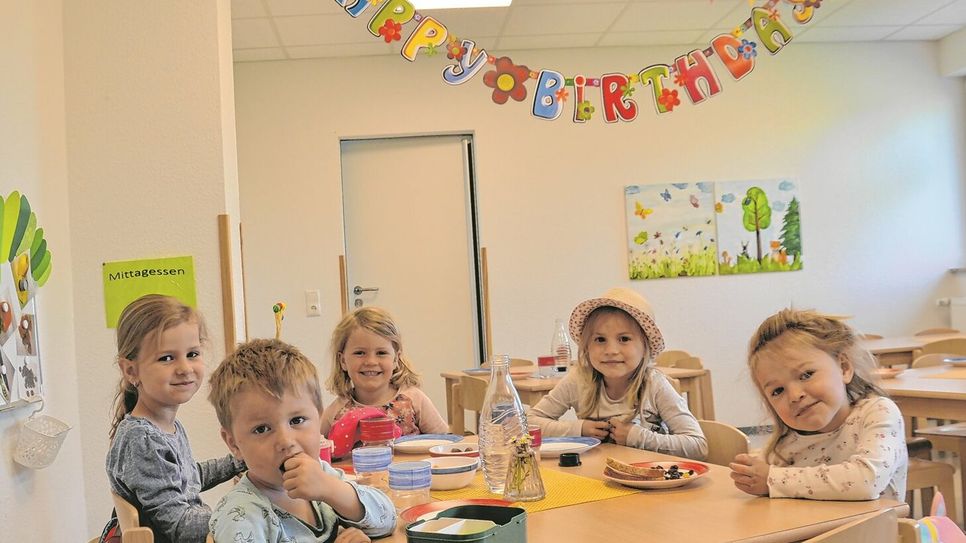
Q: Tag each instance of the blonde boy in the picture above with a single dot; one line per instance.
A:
(266, 395)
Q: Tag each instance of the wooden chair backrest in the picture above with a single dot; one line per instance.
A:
(908, 531)
(666, 359)
(934, 331)
(514, 362)
(472, 392)
(931, 359)
(129, 520)
(956, 346)
(724, 442)
(881, 527)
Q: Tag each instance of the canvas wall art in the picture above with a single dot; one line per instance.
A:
(759, 226)
(670, 230)
(707, 228)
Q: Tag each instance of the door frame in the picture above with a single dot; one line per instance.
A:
(469, 177)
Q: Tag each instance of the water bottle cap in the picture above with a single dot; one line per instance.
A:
(410, 475)
(376, 429)
(368, 459)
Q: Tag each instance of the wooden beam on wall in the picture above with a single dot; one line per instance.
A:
(227, 283)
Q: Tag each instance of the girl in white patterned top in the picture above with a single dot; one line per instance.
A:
(837, 437)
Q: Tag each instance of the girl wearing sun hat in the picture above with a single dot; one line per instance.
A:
(617, 394)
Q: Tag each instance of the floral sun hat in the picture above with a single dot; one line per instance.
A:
(631, 303)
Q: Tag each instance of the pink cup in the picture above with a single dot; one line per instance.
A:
(325, 450)
(537, 435)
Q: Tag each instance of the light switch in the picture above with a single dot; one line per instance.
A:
(313, 304)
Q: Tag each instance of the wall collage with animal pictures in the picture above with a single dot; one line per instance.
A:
(705, 228)
(25, 265)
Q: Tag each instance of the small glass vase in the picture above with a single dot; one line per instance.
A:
(523, 482)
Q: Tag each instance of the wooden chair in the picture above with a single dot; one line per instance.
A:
(927, 474)
(472, 392)
(880, 527)
(936, 331)
(931, 359)
(954, 345)
(128, 519)
(948, 437)
(666, 359)
(909, 531)
(724, 442)
(514, 362)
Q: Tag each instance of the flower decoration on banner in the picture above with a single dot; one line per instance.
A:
(747, 49)
(391, 31)
(699, 73)
(455, 50)
(669, 99)
(507, 81)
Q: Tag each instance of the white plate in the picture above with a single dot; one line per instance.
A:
(553, 447)
(421, 443)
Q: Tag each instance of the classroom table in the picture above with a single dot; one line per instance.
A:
(708, 510)
(898, 350)
(695, 382)
(924, 393)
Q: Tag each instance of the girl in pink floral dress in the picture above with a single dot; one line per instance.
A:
(370, 370)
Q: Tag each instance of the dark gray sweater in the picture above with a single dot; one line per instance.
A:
(156, 473)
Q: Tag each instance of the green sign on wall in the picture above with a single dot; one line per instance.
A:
(128, 280)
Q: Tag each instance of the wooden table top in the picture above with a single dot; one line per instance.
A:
(917, 383)
(536, 384)
(899, 344)
(709, 510)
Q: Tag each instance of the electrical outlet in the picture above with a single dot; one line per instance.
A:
(942, 302)
(313, 304)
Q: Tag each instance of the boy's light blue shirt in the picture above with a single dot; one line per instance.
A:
(247, 515)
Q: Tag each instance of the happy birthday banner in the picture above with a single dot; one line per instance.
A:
(693, 72)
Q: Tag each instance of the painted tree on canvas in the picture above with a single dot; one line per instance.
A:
(757, 214)
(791, 235)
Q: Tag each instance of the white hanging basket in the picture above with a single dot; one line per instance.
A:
(40, 440)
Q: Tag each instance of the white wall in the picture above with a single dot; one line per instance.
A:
(871, 132)
(33, 161)
(151, 153)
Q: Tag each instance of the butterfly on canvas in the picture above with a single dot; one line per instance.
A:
(694, 201)
(641, 238)
(666, 195)
(642, 211)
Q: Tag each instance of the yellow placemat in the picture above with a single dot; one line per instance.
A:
(563, 489)
(955, 373)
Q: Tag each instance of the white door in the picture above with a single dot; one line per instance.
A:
(410, 233)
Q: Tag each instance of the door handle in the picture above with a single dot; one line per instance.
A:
(359, 290)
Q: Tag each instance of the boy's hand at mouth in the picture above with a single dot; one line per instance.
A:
(303, 477)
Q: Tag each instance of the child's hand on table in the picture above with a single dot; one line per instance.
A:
(595, 428)
(352, 535)
(619, 430)
(750, 474)
(304, 478)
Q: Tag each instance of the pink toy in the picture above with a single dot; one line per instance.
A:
(345, 431)
(937, 527)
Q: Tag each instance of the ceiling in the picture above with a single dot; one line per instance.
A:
(294, 29)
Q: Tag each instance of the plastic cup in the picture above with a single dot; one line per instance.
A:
(537, 436)
(325, 450)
